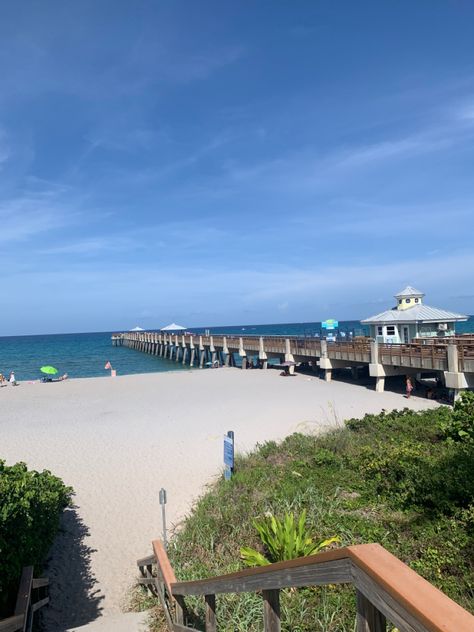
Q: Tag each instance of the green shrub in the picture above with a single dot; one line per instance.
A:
(30, 506)
(460, 425)
(283, 540)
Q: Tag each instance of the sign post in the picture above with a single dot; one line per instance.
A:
(229, 455)
(163, 514)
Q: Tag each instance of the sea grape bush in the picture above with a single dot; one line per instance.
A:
(30, 507)
(460, 425)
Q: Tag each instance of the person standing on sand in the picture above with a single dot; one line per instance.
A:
(409, 387)
(12, 380)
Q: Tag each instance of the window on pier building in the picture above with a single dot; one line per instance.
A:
(390, 330)
(380, 330)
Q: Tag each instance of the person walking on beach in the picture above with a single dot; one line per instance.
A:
(409, 387)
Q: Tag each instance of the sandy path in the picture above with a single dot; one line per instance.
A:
(117, 441)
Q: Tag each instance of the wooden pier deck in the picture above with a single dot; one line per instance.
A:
(452, 360)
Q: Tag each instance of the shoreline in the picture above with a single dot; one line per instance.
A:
(118, 441)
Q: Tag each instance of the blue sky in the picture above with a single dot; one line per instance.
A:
(232, 162)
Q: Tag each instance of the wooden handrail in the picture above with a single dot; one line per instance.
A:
(166, 569)
(22, 619)
(386, 589)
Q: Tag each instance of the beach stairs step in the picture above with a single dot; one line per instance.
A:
(126, 622)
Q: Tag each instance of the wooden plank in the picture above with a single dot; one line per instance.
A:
(369, 619)
(39, 604)
(428, 606)
(210, 613)
(271, 578)
(271, 610)
(179, 610)
(12, 624)
(40, 582)
(160, 591)
(386, 604)
(146, 561)
(146, 581)
(24, 595)
(162, 560)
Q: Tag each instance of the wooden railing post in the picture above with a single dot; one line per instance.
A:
(369, 619)
(179, 610)
(271, 610)
(210, 613)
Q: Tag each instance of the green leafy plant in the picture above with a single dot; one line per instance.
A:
(460, 425)
(284, 539)
(30, 506)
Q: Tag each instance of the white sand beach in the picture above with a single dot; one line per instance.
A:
(118, 441)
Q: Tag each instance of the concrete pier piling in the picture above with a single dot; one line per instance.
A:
(452, 361)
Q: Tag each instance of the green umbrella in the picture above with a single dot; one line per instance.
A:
(49, 370)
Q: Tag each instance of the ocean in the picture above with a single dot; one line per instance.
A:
(85, 355)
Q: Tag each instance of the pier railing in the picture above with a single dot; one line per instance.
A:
(385, 590)
(31, 596)
(428, 354)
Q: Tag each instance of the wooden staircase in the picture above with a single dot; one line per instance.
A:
(385, 590)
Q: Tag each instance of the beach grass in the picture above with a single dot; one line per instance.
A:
(396, 478)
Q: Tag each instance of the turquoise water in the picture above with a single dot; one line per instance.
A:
(85, 355)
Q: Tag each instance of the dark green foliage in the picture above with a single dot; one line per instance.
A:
(30, 506)
(392, 478)
(460, 425)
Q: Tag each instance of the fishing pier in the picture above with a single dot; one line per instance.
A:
(451, 360)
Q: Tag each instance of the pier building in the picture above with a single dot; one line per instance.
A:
(411, 319)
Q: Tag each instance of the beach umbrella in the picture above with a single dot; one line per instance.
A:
(49, 370)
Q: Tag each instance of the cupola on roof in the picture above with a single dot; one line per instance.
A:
(409, 291)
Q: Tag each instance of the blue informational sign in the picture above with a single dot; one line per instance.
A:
(330, 324)
(228, 455)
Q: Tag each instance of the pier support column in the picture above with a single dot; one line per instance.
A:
(192, 351)
(225, 352)
(176, 348)
(376, 369)
(185, 354)
(201, 353)
(262, 356)
(242, 353)
(289, 356)
(453, 377)
(212, 351)
(326, 365)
